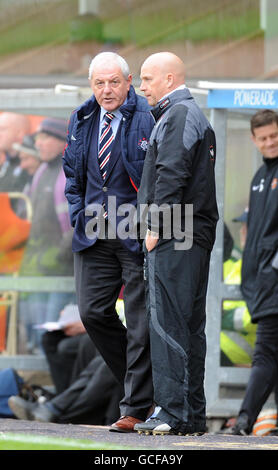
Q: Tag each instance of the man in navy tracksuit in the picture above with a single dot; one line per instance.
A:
(178, 172)
(104, 261)
(260, 272)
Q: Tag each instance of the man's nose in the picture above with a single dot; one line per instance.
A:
(142, 87)
(107, 88)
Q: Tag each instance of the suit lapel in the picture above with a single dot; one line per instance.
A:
(91, 148)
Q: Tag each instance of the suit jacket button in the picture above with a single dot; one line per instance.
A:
(105, 189)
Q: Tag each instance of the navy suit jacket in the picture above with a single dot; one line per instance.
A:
(85, 187)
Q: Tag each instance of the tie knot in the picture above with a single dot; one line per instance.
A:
(108, 117)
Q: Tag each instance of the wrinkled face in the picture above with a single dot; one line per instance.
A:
(153, 83)
(49, 147)
(109, 86)
(29, 162)
(266, 140)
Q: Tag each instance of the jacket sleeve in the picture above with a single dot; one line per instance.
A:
(173, 164)
(135, 146)
(73, 189)
(176, 141)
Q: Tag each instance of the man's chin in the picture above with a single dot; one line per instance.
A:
(150, 101)
(109, 105)
(273, 154)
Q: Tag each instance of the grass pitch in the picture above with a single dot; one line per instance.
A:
(10, 441)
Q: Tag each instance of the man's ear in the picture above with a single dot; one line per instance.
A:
(170, 80)
(129, 80)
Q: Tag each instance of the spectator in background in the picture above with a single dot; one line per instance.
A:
(67, 350)
(48, 251)
(29, 160)
(49, 247)
(16, 211)
(92, 398)
(238, 333)
(259, 275)
(28, 154)
(13, 127)
(86, 390)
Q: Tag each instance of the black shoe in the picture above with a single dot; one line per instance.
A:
(198, 430)
(241, 427)
(43, 414)
(21, 408)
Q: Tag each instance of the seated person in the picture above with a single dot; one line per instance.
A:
(68, 350)
(93, 398)
(87, 391)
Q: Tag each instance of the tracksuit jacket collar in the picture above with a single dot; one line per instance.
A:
(270, 162)
(168, 101)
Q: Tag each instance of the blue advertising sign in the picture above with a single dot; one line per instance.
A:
(243, 98)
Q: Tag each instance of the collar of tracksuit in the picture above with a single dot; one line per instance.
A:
(270, 162)
(165, 103)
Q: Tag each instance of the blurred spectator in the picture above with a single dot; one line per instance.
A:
(238, 333)
(86, 389)
(259, 274)
(28, 154)
(49, 247)
(48, 251)
(13, 127)
(29, 160)
(93, 398)
(14, 231)
(67, 350)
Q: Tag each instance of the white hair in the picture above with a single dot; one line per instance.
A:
(105, 58)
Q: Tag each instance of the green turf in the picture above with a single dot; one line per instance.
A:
(10, 441)
(136, 26)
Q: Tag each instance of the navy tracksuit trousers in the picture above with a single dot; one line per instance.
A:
(176, 286)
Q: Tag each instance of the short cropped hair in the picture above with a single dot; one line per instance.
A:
(264, 117)
(108, 58)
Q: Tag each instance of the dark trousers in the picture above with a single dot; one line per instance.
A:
(93, 398)
(100, 272)
(176, 286)
(264, 371)
(67, 356)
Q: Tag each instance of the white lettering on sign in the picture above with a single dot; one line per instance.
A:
(243, 98)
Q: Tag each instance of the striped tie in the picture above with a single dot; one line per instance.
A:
(105, 143)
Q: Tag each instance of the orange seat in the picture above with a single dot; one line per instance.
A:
(10, 262)
(3, 326)
(13, 230)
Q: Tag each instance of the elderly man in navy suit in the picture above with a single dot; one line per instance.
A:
(103, 163)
